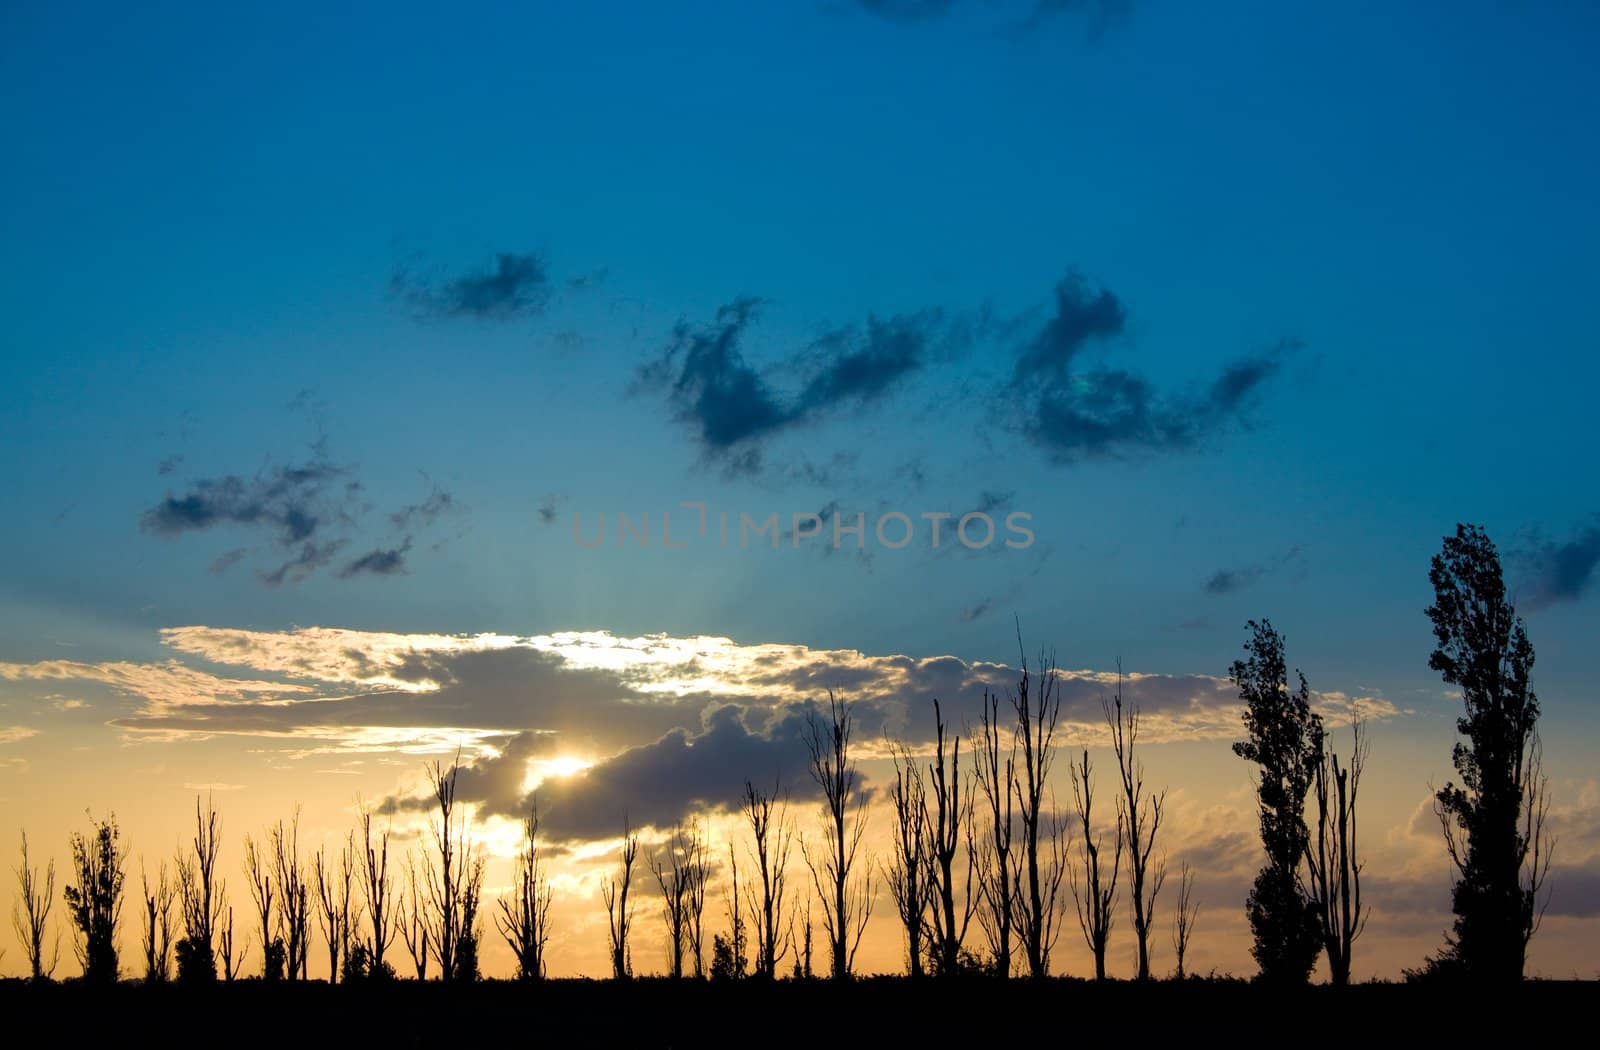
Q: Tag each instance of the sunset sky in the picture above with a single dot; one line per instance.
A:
(331, 339)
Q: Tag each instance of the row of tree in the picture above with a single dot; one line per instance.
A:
(982, 839)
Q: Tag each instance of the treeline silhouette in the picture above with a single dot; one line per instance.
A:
(977, 841)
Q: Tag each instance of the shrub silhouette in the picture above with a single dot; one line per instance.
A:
(95, 899)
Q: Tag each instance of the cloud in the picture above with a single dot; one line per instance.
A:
(421, 515)
(550, 508)
(732, 408)
(1226, 581)
(284, 500)
(379, 562)
(977, 611)
(12, 734)
(666, 724)
(304, 515)
(511, 286)
(657, 784)
(1075, 409)
(1560, 572)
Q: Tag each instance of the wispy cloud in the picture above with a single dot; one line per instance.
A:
(510, 286)
(1075, 408)
(1559, 571)
(732, 407)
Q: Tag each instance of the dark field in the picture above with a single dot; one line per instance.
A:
(868, 1012)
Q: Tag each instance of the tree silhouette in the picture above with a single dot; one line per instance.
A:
(94, 901)
(200, 895)
(1094, 890)
(450, 874)
(730, 955)
(908, 868)
(1139, 813)
(524, 918)
(1285, 742)
(30, 914)
(258, 870)
(771, 841)
(231, 956)
(157, 915)
(1043, 863)
(846, 901)
(996, 770)
(946, 815)
(1333, 867)
(412, 923)
(377, 893)
(699, 877)
(1494, 820)
(466, 965)
(619, 910)
(294, 898)
(334, 888)
(1183, 922)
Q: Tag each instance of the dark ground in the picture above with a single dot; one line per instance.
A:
(658, 1013)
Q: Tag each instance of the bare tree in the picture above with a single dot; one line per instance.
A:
(673, 868)
(200, 893)
(30, 914)
(231, 956)
(258, 870)
(377, 893)
(1043, 864)
(991, 844)
(699, 878)
(1333, 867)
(1139, 811)
(729, 958)
(333, 902)
(1183, 922)
(1093, 890)
(450, 872)
(802, 961)
(619, 911)
(907, 869)
(946, 812)
(524, 918)
(846, 901)
(294, 897)
(772, 839)
(412, 922)
(157, 914)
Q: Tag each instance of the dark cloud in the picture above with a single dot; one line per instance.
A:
(284, 500)
(168, 465)
(379, 562)
(307, 559)
(732, 407)
(1075, 409)
(550, 508)
(658, 784)
(977, 611)
(1226, 581)
(1560, 572)
(304, 515)
(510, 287)
(421, 515)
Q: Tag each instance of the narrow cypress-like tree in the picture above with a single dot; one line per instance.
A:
(1285, 742)
(1493, 819)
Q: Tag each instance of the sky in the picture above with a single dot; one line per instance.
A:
(332, 341)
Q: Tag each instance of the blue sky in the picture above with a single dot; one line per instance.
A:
(205, 213)
(319, 329)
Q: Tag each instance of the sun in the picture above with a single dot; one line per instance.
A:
(564, 766)
(542, 769)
